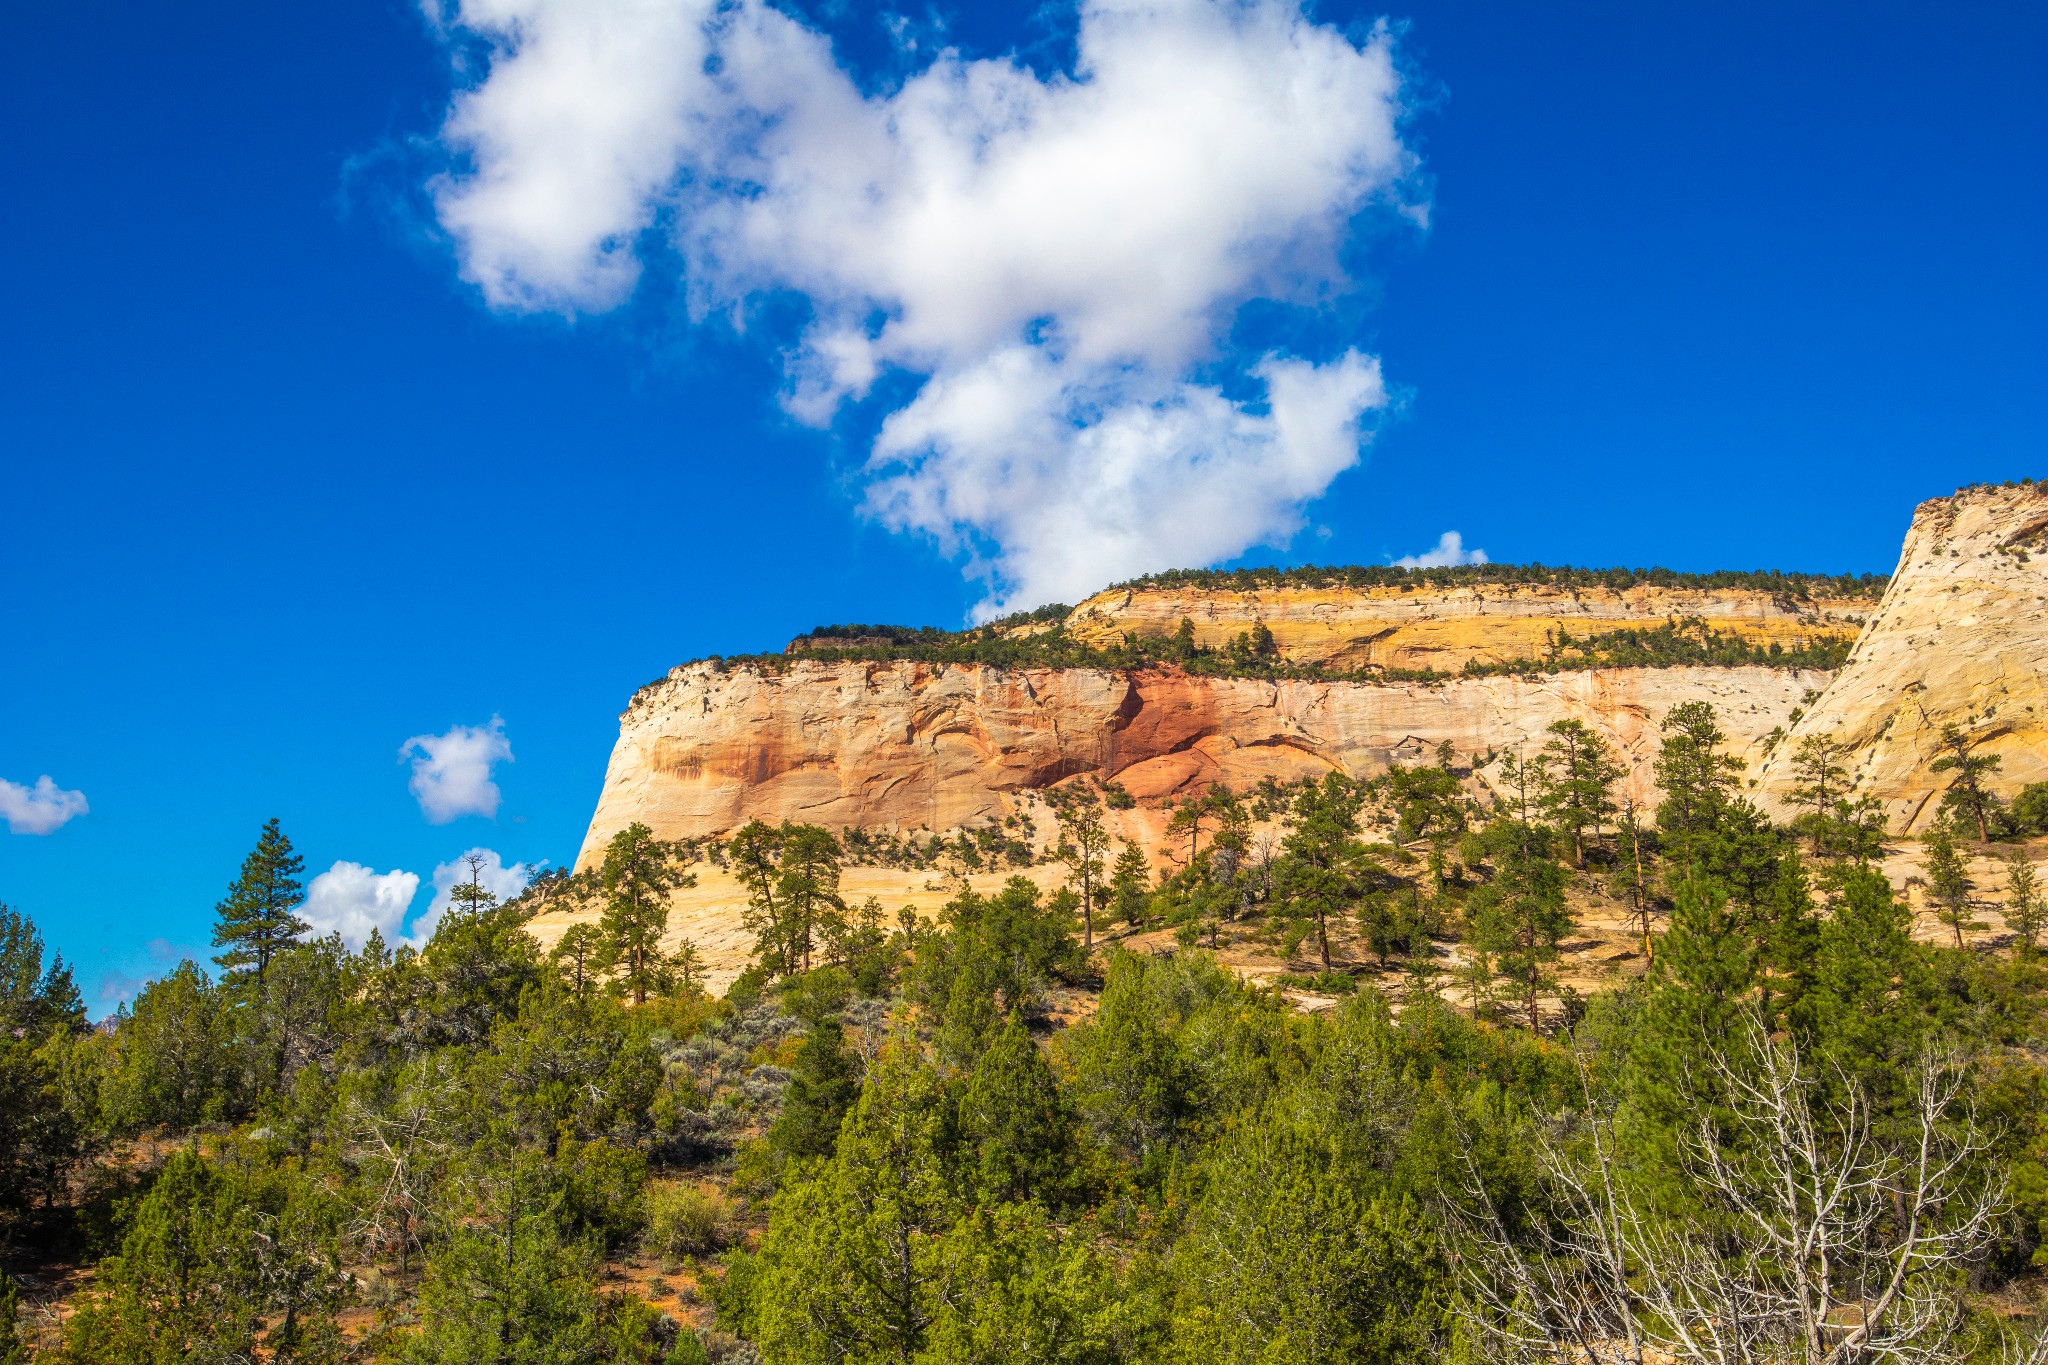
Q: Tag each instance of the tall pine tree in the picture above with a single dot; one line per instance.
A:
(255, 922)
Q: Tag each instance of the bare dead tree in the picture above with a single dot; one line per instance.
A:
(398, 1149)
(1820, 1235)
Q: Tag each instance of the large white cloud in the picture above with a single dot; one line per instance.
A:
(451, 773)
(40, 809)
(1060, 260)
(351, 900)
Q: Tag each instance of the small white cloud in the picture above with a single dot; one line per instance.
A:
(1450, 551)
(351, 900)
(40, 809)
(451, 773)
(492, 873)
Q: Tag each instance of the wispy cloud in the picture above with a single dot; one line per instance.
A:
(1449, 551)
(451, 773)
(351, 900)
(41, 809)
(1056, 263)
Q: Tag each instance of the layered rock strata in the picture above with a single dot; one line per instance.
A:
(909, 746)
(1444, 628)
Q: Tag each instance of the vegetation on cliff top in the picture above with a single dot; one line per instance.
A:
(1672, 643)
(1799, 587)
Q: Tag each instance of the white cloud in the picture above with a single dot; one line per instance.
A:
(1450, 550)
(492, 873)
(451, 773)
(40, 809)
(351, 900)
(1059, 259)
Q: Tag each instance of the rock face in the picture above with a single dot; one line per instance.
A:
(1960, 637)
(1444, 628)
(908, 746)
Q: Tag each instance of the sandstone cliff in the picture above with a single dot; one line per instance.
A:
(1960, 637)
(896, 744)
(909, 745)
(1446, 627)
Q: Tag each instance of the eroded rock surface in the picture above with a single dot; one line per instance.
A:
(1445, 628)
(1960, 637)
(907, 746)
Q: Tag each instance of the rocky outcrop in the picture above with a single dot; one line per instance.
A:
(1960, 637)
(908, 746)
(1443, 628)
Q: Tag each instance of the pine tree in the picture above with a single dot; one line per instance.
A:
(1698, 780)
(577, 953)
(1519, 918)
(1326, 868)
(2023, 904)
(1083, 841)
(1820, 778)
(639, 873)
(1966, 795)
(1019, 1121)
(1948, 882)
(824, 1081)
(1130, 885)
(255, 922)
(1578, 782)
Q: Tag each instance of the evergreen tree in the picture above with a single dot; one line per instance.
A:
(1286, 1263)
(1632, 874)
(1130, 885)
(1518, 919)
(1820, 778)
(1579, 778)
(1948, 882)
(577, 953)
(255, 921)
(35, 999)
(639, 873)
(1018, 1123)
(1428, 804)
(1083, 841)
(1967, 796)
(1698, 780)
(1326, 869)
(823, 1084)
(2023, 901)
(850, 1268)
(1866, 970)
(808, 885)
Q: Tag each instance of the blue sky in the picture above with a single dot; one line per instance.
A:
(298, 462)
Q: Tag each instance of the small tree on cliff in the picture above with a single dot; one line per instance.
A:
(638, 874)
(1967, 796)
(1820, 778)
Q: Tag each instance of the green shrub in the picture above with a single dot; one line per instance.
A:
(685, 1218)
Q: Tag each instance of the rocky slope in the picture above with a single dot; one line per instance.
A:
(1960, 637)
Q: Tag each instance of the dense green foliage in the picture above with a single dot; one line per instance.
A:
(973, 1140)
